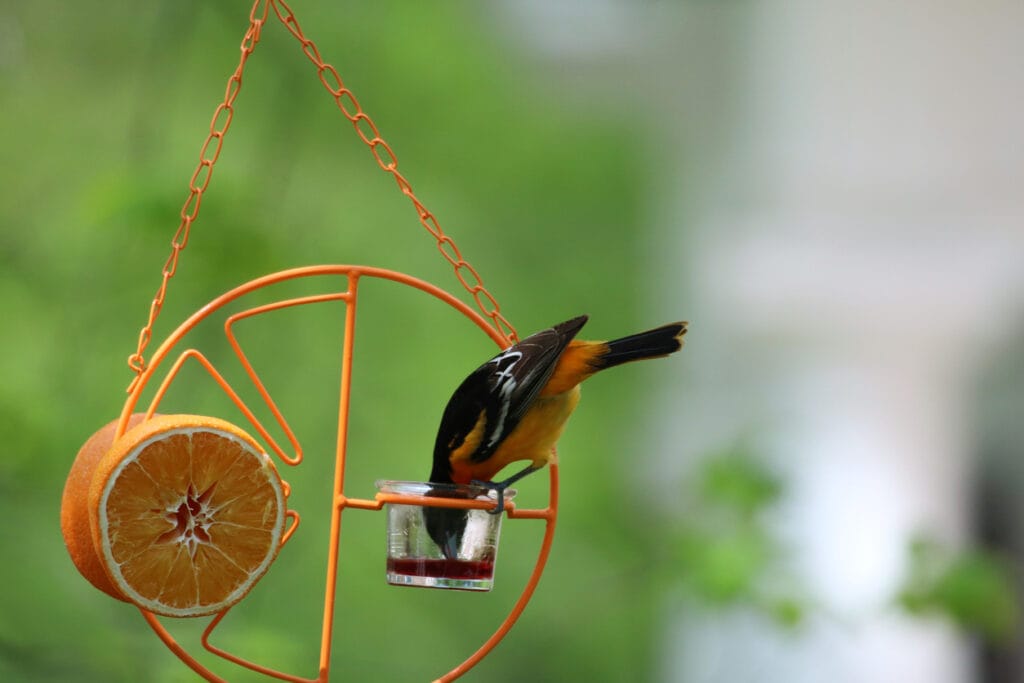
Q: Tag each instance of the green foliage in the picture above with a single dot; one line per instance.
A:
(974, 589)
(729, 557)
(725, 565)
(738, 484)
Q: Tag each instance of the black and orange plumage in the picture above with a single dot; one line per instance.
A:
(515, 406)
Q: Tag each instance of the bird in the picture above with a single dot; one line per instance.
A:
(515, 406)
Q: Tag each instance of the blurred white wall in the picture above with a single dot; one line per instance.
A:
(842, 186)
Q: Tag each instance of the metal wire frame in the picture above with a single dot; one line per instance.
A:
(348, 294)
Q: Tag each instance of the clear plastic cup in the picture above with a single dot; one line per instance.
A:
(438, 547)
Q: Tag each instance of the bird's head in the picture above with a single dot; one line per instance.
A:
(446, 526)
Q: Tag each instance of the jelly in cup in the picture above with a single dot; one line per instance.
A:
(469, 537)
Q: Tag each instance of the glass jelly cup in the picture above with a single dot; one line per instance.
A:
(438, 547)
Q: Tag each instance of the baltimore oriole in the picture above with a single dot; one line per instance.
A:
(514, 407)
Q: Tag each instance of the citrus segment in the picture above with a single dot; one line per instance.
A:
(187, 513)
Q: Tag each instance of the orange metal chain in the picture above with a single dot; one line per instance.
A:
(367, 131)
(208, 154)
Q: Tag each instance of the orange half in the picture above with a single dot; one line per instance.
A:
(186, 514)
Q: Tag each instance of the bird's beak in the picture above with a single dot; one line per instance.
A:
(450, 548)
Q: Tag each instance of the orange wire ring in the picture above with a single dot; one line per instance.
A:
(348, 295)
(490, 320)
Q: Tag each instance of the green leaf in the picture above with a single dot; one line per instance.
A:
(739, 482)
(974, 589)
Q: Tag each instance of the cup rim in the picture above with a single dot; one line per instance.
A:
(439, 490)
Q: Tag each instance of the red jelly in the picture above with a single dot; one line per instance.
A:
(446, 573)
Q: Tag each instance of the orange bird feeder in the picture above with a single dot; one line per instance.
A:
(189, 464)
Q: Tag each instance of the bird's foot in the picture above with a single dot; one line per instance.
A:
(499, 488)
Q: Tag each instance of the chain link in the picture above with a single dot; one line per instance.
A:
(365, 129)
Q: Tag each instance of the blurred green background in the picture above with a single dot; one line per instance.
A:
(548, 192)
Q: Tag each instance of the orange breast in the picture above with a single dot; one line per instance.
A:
(532, 439)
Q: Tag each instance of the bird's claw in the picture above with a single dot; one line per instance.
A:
(499, 488)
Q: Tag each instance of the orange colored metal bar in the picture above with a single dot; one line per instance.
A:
(177, 649)
(339, 476)
(229, 332)
(549, 515)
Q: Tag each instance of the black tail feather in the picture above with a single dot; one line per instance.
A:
(655, 343)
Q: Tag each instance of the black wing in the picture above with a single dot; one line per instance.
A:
(502, 389)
